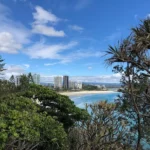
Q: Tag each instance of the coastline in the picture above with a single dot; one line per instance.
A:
(85, 92)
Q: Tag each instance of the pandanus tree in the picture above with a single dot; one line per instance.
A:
(105, 129)
(131, 58)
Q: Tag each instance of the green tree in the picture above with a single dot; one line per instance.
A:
(23, 127)
(30, 77)
(89, 87)
(12, 79)
(1, 64)
(24, 83)
(56, 105)
(12, 82)
(6, 87)
(132, 54)
(105, 129)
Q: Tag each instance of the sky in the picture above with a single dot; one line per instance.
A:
(65, 37)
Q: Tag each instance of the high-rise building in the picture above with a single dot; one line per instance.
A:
(66, 82)
(72, 85)
(78, 85)
(17, 80)
(36, 78)
(58, 82)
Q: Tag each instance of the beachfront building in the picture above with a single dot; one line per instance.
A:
(72, 85)
(36, 78)
(75, 85)
(66, 82)
(99, 86)
(17, 80)
(78, 85)
(58, 82)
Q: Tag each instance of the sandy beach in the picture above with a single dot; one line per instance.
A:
(84, 93)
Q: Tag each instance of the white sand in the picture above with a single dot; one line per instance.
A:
(84, 93)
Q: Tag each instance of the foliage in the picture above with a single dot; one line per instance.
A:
(104, 130)
(1, 65)
(12, 79)
(34, 117)
(6, 87)
(22, 127)
(56, 105)
(30, 78)
(132, 54)
(89, 87)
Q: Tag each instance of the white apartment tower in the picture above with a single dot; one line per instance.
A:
(17, 80)
(36, 78)
(72, 85)
(79, 85)
(58, 82)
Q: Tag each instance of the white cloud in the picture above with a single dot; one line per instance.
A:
(82, 4)
(114, 78)
(89, 67)
(42, 16)
(47, 79)
(82, 54)
(27, 66)
(8, 44)
(42, 50)
(13, 70)
(76, 28)
(40, 25)
(148, 16)
(87, 53)
(50, 64)
(12, 33)
(48, 31)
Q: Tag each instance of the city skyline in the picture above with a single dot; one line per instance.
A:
(64, 82)
(93, 79)
(65, 37)
(97, 79)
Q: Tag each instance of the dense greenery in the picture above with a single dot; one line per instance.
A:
(1, 65)
(56, 105)
(89, 87)
(33, 117)
(124, 125)
(22, 127)
(132, 54)
(104, 130)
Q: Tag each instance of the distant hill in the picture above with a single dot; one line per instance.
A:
(107, 85)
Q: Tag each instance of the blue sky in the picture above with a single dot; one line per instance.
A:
(57, 37)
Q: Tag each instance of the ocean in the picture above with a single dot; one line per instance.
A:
(81, 100)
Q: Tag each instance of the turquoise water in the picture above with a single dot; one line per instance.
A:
(81, 100)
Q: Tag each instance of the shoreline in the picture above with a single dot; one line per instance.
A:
(85, 93)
